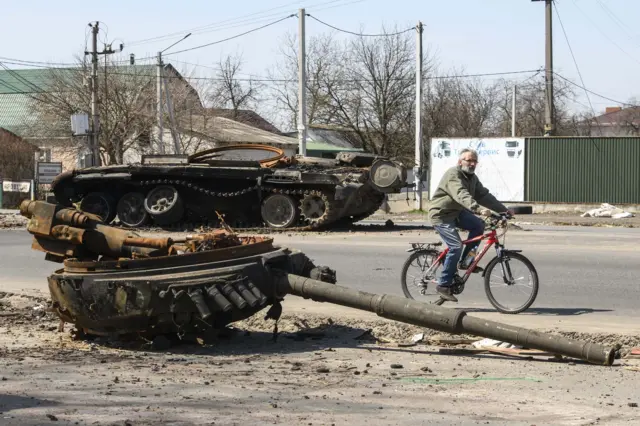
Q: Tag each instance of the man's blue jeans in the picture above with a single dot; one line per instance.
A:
(449, 234)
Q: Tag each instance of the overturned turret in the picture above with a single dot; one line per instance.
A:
(116, 282)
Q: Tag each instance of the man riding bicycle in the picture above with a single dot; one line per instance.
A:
(458, 194)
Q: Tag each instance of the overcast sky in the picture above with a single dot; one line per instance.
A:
(483, 36)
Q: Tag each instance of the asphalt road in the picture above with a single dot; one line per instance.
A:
(582, 270)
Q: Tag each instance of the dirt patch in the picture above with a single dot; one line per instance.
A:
(320, 370)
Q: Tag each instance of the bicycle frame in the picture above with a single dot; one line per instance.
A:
(491, 237)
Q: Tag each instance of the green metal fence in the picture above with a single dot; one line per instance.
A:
(583, 170)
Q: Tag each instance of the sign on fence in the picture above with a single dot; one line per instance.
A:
(48, 171)
(11, 186)
(500, 166)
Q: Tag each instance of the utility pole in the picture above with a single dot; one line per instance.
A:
(94, 144)
(549, 112)
(159, 109)
(95, 119)
(174, 132)
(159, 103)
(302, 86)
(513, 112)
(417, 169)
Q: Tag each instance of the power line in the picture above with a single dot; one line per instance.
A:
(577, 67)
(489, 74)
(360, 34)
(248, 19)
(231, 26)
(31, 85)
(594, 93)
(26, 62)
(605, 34)
(232, 37)
(337, 5)
(22, 80)
(285, 80)
(213, 25)
(615, 19)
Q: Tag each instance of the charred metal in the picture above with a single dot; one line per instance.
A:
(275, 191)
(115, 282)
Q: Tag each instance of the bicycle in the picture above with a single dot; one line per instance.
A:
(426, 281)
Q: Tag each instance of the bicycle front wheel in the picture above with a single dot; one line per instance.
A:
(511, 283)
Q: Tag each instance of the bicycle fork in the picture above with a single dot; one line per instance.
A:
(503, 256)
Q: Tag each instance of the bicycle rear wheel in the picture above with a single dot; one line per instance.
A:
(514, 275)
(416, 283)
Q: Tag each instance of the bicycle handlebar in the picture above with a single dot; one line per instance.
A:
(499, 218)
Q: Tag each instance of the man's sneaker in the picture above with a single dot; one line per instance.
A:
(446, 294)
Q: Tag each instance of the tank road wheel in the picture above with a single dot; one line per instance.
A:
(313, 207)
(131, 211)
(101, 204)
(164, 205)
(279, 211)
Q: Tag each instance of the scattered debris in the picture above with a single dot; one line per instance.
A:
(452, 340)
(491, 343)
(634, 353)
(607, 210)
(495, 350)
(418, 338)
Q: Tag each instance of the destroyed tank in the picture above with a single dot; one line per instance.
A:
(115, 282)
(249, 185)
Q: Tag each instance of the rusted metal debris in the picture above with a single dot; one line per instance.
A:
(115, 282)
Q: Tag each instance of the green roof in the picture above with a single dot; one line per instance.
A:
(18, 86)
(23, 81)
(16, 89)
(14, 113)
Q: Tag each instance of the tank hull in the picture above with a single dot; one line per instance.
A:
(299, 193)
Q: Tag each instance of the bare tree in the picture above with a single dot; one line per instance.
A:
(16, 157)
(322, 68)
(229, 90)
(127, 102)
(530, 108)
(16, 162)
(374, 92)
(457, 106)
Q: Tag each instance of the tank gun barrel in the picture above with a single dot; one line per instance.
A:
(443, 319)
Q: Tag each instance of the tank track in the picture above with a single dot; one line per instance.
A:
(332, 212)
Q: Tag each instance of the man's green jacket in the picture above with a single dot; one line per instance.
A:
(457, 191)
